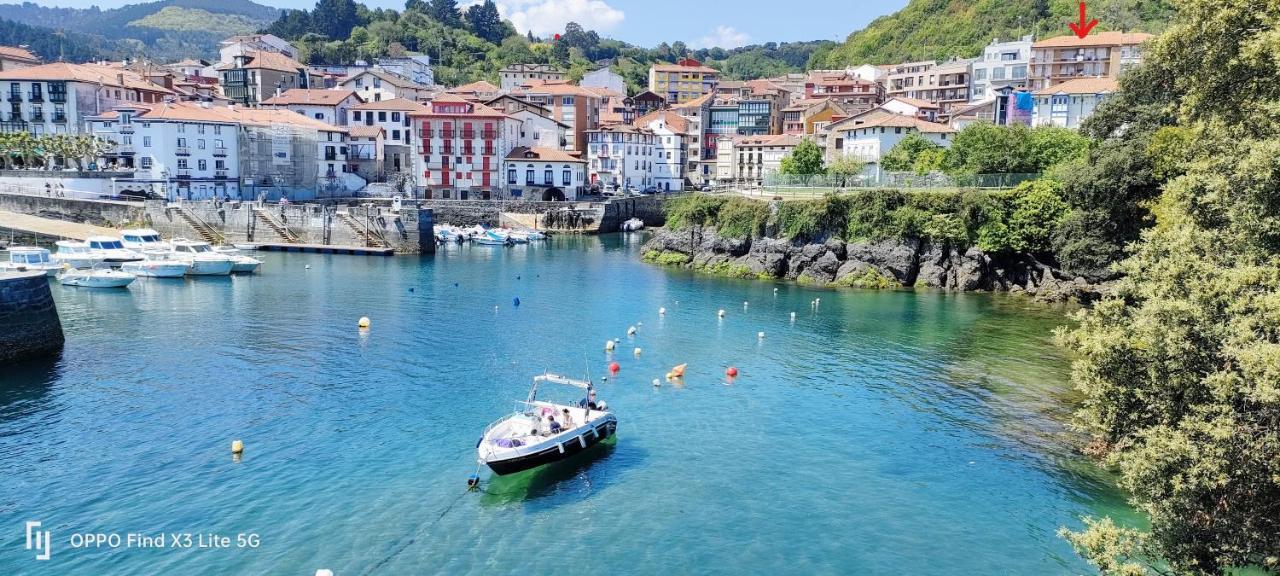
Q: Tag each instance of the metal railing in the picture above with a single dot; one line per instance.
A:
(821, 183)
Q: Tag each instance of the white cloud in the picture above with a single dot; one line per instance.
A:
(723, 37)
(548, 17)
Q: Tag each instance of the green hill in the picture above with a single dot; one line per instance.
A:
(940, 29)
(180, 19)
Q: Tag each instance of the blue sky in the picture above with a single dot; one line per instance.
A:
(699, 23)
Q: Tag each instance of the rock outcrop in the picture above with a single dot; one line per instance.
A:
(909, 262)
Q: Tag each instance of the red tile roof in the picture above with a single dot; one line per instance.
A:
(1112, 38)
(86, 73)
(18, 53)
(311, 97)
(1082, 86)
(545, 154)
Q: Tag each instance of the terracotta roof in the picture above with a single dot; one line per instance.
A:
(547, 154)
(604, 92)
(477, 87)
(679, 68)
(189, 62)
(263, 60)
(360, 131)
(477, 109)
(805, 104)
(1113, 38)
(764, 85)
(877, 118)
(18, 53)
(387, 77)
(918, 103)
(311, 97)
(1082, 86)
(675, 122)
(695, 103)
(397, 104)
(767, 140)
(193, 112)
(87, 73)
(558, 89)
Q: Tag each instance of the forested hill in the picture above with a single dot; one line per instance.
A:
(164, 30)
(941, 29)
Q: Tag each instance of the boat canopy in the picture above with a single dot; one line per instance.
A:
(556, 379)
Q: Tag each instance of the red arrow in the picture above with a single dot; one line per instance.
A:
(1082, 29)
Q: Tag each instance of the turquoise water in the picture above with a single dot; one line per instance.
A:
(878, 433)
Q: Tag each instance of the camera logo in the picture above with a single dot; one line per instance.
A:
(40, 542)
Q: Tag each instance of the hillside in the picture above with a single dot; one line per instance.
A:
(167, 29)
(51, 44)
(940, 29)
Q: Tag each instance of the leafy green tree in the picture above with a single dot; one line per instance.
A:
(485, 21)
(913, 153)
(446, 12)
(1178, 367)
(806, 158)
(334, 18)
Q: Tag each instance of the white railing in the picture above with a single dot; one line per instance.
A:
(51, 192)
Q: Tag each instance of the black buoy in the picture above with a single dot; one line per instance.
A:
(517, 276)
(516, 300)
(473, 481)
(411, 289)
(455, 284)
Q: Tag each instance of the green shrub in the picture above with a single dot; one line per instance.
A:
(742, 218)
(665, 257)
(693, 210)
(810, 220)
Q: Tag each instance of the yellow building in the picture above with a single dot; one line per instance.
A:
(683, 81)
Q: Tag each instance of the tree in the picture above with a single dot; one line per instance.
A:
(446, 12)
(334, 18)
(913, 153)
(806, 158)
(1178, 366)
(485, 21)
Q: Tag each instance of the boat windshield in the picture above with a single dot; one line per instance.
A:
(37, 257)
(151, 238)
(106, 244)
(201, 248)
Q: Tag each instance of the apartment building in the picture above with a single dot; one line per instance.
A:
(59, 97)
(871, 135)
(461, 148)
(1001, 64)
(374, 85)
(671, 158)
(700, 142)
(749, 159)
(1100, 55)
(575, 106)
(544, 174)
(683, 81)
(516, 75)
(909, 79)
(1071, 102)
(393, 117)
(805, 116)
(852, 93)
(249, 43)
(537, 128)
(253, 77)
(328, 106)
(604, 78)
(621, 156)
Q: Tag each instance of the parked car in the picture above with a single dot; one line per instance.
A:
(705, 187)
(650, 190)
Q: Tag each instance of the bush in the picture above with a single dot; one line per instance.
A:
(693, 210)
(812, 220)
(742, 218)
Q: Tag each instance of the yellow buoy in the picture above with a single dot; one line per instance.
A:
(237, 447)
(364, 322)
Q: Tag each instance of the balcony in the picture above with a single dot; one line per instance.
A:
(15, 96)
(183, 173)
(468, 135)
(220, 174)
(428, 133)
(220, 151)
(37, 117)
(126, 129)
(35, 96)
(488, 134)
(58, 97)
(124, 149)
(182, 151)
(330, 157)
(446, 134)
(60, 118)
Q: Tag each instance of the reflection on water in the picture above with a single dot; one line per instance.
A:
(878, 432)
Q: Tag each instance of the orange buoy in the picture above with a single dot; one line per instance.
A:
(614, 367)
(731, 372)
(678, 371)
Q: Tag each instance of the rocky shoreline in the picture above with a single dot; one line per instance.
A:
(885, 264)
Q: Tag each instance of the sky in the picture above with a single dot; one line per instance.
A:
(697, 23)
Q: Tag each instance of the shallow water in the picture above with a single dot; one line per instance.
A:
(878, 433)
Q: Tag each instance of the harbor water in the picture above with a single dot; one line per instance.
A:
(876, 433)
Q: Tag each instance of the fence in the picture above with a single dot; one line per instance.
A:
(811, 185)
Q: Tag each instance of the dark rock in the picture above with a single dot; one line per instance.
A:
(896, 259)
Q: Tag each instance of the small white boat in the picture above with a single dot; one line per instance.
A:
(100, 276)
(541, 432)
(633, 225)
(142, 239)
(111, 250)
(34, 258)
(245, 246)
(491, 239)
(243, 264)
(75, 254)
(202, 258)
(157, 264)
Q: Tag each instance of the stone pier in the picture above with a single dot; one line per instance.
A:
(29, 324)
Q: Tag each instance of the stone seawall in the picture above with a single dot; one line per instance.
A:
(29, 324)
(584, 217)
(96, 212)
(891, 263)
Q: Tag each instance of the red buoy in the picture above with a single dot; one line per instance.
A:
(731, 372)
(614, 367)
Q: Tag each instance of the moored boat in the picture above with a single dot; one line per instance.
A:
(157, 264)
(100, 276)
(34, 258)
(202, 258)
(540, 432)
(74, 254)
(111, 250)
(142, 239)
(243, 264)
(633, 225)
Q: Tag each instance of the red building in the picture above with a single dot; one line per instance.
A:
(461, 145)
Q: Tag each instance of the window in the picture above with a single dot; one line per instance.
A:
(355, 115)
(182, 129)
(547, 176)
(218, 130)
(319, 116)
(511, 175)
(395, 116)
(146, 141)
(395, 134)
(979, 73)
(200, 144)
(528, 176)
(997, 74)
(200, 128)
(182, 163)
(1020, 71)
(146, 162)
(382, 116)
(567, 177)
(182, 142)
(202, 164)
(567, 101)
(219, 164)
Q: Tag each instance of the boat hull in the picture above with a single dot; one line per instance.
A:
(156, 269)
(210, 267)
(570, 446)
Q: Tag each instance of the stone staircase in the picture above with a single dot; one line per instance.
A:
(203, 230)
(275, 225)
(373, 238)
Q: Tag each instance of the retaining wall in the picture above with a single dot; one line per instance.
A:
(29, 324)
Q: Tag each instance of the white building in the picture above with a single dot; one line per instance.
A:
(59, 97)
(1071, 102)
(416, 68)
(621, 156)
(375, 85)
(922, 109)
(243, 45)
(397, 129)
(544, 174)
(604, 78)
(1001, 64)
(328, 106)
(869, 136)
(671, 132)
(749, 159)
(517, 75)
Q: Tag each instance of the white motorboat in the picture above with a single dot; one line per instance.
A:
(157, 264)
(142, 239)
(111, 250)
(489, 238)
(633, 225)
(34, 258)
(541, 432)
(75, 254)
(100, 276)
(202, 258)
(243, 264)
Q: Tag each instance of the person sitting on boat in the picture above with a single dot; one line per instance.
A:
(553, 426)
(568, 419)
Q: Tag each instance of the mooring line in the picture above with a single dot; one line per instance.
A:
(414, 538)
